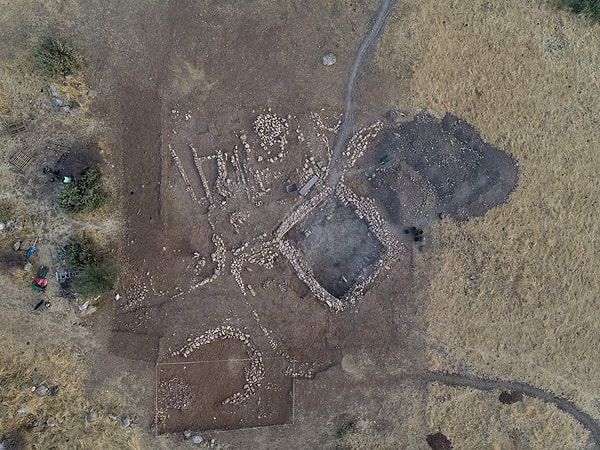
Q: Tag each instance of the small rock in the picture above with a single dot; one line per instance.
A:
(57, 101)
(84, 306)
(112, 416)
(91, 93)
(17, 246)
(54, 90)
(53, 391)
(196, 439)
(126, 421)
(81, 100)
(50, 422)
(65, 108)
(117, 297)
(42, 390)
(28, 267)
(328, 59)
(187, 434)
(91, 417)
(22, 410)
(89, 310)
(2, 226)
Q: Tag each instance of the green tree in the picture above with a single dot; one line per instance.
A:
(98, 279)
(590, 8)
(86, 193)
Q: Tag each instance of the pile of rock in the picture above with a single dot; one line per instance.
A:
(271, 130)
(174, 393)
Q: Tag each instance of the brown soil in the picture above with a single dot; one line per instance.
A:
(169, 76)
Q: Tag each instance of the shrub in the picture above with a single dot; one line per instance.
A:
(98, 279)
(86, 193)
(590, 8)
(81, 252)
(58, 58)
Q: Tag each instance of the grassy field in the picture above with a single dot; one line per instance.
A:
(59, 421)
(514, 295)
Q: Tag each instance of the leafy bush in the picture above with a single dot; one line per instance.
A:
(590, 8)
(58, 58)
(86, 193)
(98, 279)
(81, 252)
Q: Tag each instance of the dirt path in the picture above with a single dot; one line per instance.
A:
(483, 384)
(346, 127)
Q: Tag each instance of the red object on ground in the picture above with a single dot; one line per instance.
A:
(41, 282)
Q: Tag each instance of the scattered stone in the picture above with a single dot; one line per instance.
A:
(328, 59)
(2, 226)
(196, 439)
(84, 306)
(42, 390)
(91, 93)
(91, 417)
(53, 391)
(50, 422)
(57, 101)
(22, 410)
(17, 246)
(112, 416)
(89, 310)
(28, 266)
(54, 90)
(187, 434)
(126, 421)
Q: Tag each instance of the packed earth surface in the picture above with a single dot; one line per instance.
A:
(307, 229)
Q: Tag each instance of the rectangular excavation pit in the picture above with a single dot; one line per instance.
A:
(337, 247)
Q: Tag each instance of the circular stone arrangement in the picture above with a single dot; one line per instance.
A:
(254, 376)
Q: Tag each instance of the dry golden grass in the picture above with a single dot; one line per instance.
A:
(514, 295)
(473, 419)
(24, 367)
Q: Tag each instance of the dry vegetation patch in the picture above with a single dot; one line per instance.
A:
(44, 404)
(514, 294)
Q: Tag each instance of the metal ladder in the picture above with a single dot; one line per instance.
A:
(67, 274)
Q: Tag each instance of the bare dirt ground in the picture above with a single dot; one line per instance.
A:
(211, 111)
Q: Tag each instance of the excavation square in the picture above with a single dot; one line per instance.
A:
(190, 396)
(338, 246)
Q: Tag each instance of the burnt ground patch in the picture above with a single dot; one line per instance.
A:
(428, 167)
(338, 245)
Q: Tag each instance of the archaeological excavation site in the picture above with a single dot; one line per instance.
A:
(320, 225)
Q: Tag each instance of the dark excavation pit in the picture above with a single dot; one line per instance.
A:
(338, 246)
